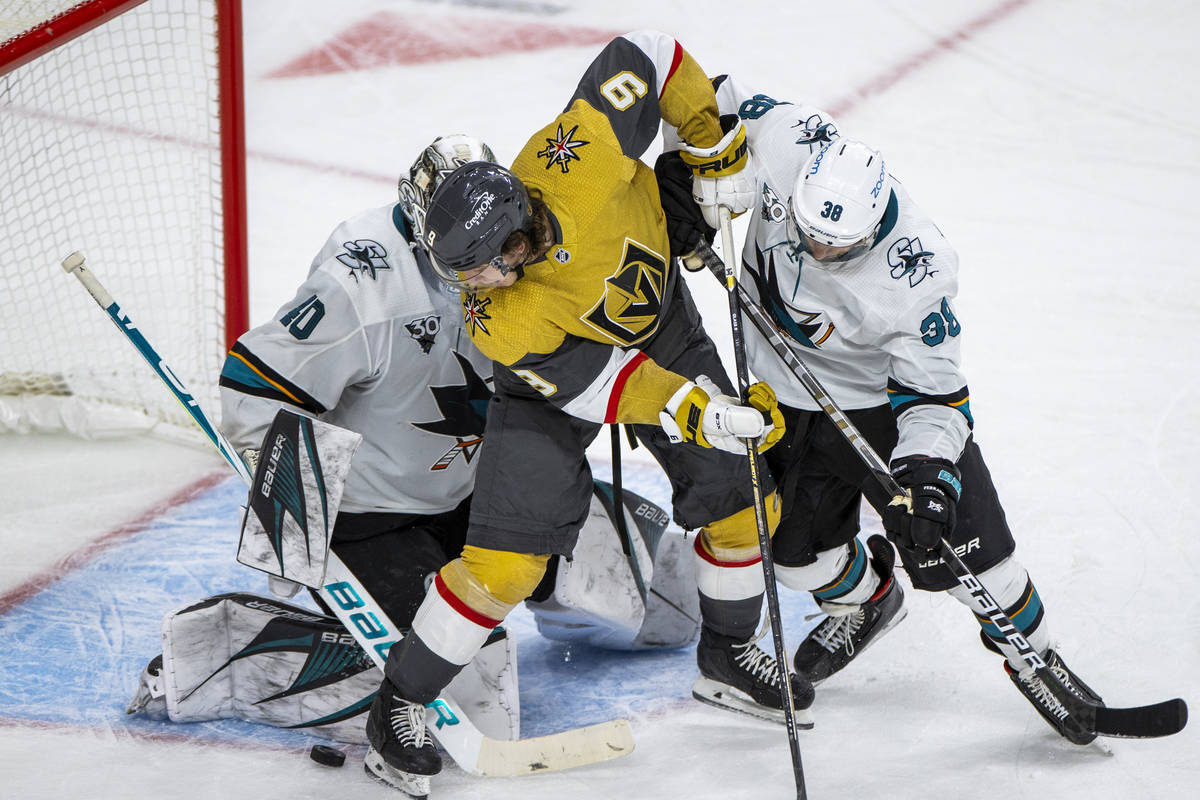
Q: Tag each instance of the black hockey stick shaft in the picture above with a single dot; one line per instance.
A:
(725, 269)
(618, 498)
(1160, 719)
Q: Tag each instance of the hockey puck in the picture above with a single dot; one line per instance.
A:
(329, 756)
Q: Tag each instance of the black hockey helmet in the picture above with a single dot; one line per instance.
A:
(470, 215)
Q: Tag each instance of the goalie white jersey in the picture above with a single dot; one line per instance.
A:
(878, 328)
(368, 343)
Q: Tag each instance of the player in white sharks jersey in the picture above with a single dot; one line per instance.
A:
(373, 342)
(848, 265)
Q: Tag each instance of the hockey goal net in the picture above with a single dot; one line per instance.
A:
(122, 132)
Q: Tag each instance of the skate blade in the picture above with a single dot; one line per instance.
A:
(721, 695)
(415, 786)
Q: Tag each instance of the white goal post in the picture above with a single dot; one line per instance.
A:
(123, 136)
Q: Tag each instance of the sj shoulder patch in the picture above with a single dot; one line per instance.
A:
(364, 256)
(908, 259)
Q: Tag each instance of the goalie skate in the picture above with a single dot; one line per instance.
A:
(151, 697)
(739, 676)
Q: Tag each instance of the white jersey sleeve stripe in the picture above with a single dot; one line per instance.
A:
(662, 50)
(598, 402)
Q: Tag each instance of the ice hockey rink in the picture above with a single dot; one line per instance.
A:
(1055, 144)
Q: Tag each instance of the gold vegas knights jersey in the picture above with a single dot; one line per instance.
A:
(571, 326)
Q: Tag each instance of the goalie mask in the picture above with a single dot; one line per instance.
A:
(439, 159)
(470, 215)
(838, 202)
(444, 155)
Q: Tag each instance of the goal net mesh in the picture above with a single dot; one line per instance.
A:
(111, 147)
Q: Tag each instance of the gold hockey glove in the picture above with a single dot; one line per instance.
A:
(722, 175)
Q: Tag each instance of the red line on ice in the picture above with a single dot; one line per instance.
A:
(159, 736)
(388, 39)
(78, 558)
(893, 75)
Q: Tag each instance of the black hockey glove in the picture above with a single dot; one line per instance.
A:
(685, 220)
(935, 488)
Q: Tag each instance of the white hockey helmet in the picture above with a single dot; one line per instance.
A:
(444, 155)
(838, 201)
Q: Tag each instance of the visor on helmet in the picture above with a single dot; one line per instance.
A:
(461, 278)
(469, 219)
(804, 243)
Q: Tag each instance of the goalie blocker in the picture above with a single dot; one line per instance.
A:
(241, 656)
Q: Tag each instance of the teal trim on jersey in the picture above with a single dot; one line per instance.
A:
(849, 579)
(903, 402)
(401, 222)
(890, 215)
(1025, 618)
(902, 398)
(237, 371)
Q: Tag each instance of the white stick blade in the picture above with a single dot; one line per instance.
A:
(557, 751)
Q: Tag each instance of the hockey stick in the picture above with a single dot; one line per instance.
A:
(726, 270)
(618, 493)
(1157, 719)
(375, 632)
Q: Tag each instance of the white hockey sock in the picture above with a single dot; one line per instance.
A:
(842, 575)
(1009, 584)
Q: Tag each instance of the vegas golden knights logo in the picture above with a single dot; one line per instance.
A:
(633, 296)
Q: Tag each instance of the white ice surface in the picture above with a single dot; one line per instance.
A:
(1054, 143)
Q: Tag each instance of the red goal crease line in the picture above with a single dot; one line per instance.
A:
(80, 557)
(134, 734)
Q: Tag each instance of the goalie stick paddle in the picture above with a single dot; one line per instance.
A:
(375, 632)
(1137, 722)
(724, 269)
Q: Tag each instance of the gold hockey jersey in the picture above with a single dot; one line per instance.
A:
(570, 327)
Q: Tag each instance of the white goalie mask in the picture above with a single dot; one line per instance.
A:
(838, 201)
(444, 155)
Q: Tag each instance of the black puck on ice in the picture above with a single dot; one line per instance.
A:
(329, 756)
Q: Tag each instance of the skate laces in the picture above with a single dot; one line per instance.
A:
(1043, 693)
(758, 662)
(840, 625)
(1064, 675)
(408, 722)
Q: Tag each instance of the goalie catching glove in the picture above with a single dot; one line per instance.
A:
(920, 521)
(720, 174)
(700, 414)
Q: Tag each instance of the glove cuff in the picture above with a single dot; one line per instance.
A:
(683, 414)
(913, 470)
(726, 157)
